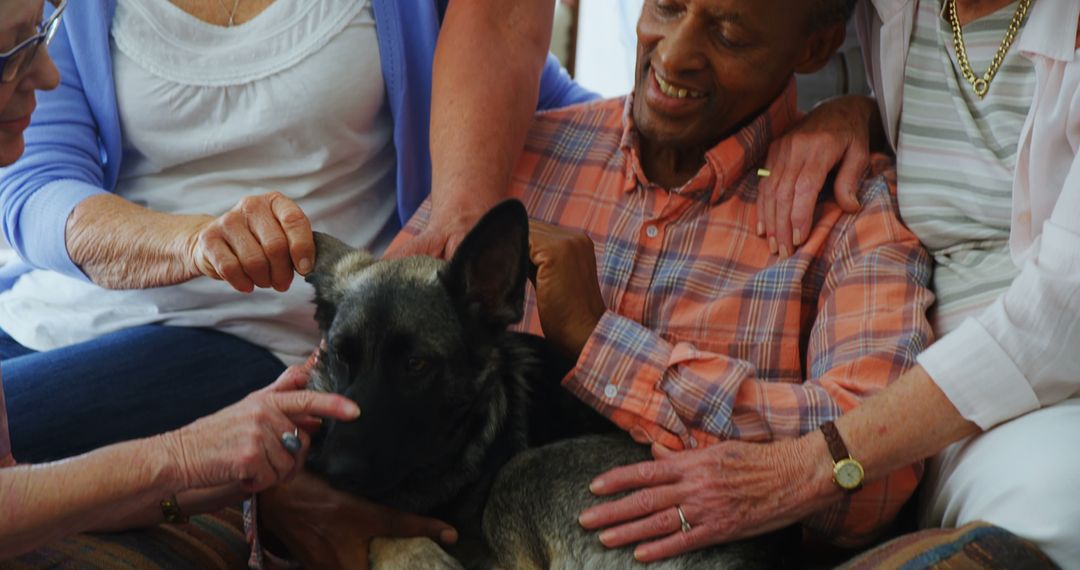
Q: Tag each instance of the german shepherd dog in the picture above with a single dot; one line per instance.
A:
(457, 410)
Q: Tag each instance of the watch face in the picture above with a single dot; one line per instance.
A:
(848, 474)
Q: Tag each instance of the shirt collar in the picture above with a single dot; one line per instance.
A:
(728, 161)
(1051, 29)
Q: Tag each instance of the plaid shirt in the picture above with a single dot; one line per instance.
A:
(707, 336)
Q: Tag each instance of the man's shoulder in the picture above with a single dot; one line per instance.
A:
(579, 131)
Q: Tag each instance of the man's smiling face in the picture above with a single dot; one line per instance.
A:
(705, 67)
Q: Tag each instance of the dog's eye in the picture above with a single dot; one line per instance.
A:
(418, 365)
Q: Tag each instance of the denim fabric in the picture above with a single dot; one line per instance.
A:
(125, 385)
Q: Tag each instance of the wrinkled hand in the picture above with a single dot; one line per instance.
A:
(242, 443)
(568, 297)
(327, 529)
(728, 491)
(257, 243)
(835, 132)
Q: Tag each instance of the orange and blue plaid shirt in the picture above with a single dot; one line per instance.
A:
(707, 336)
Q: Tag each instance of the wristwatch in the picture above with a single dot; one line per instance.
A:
(847, 472)
(170, 509)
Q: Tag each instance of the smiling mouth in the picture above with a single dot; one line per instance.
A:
(675, 91)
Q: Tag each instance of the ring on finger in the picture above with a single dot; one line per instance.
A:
(683, 523)
(291, 440)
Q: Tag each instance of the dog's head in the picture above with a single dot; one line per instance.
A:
(415, 342)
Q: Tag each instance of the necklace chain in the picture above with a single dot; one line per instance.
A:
(231, 13)
(982, 84)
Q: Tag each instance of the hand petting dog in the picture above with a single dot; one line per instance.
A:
(727, 492)
(568, 297)
(245, 442)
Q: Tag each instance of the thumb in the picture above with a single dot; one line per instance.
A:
(849, 179)
(661, 452)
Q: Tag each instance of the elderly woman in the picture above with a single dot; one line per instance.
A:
(200, 138)
(980, 99)
(246, 447)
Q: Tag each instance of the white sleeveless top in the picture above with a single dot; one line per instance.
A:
(291, 101)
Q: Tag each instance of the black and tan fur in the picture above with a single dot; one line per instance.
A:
(457, 409)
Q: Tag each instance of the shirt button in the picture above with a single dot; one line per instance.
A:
(693, 443)
(651, 231)
(611, 391)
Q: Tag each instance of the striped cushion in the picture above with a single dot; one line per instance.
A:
(208, 541)
(975, 546)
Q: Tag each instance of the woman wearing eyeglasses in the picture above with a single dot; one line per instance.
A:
(206, 138)
(210, 463)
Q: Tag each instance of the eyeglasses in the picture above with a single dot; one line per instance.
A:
(14, 63)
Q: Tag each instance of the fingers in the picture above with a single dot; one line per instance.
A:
(311, 403)
(408, 525)
(849, 178)
(297, 228)
(295, 377)
(247, 249)
(766, 186)
(797, 214)
(658, 524)
(661, 452)
(674, 544)
(218, 261)
(636, 476)
(778, 185)
(274, 259)
(635, 506)
(257, 244)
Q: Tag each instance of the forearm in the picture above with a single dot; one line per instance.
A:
(120, 245)
(191, 503)
(101, 489)
(908, 421)
(485, 90)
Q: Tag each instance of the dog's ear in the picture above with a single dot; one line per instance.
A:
(488, 272)
(329, 274)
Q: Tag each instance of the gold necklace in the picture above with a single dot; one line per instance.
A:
(982, 84)
(231, 13)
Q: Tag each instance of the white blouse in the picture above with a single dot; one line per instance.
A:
(291, 101)
(1021, 353)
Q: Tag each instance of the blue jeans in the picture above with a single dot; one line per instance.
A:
(125, 385)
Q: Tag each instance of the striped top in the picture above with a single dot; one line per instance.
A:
(707, 336)
(957, 155)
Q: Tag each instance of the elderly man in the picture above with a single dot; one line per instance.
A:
(685, 329)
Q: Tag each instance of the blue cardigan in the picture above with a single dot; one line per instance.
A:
(74, 146)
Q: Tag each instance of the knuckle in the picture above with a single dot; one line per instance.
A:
(232, 220)
(647, 471)
(249, 204)
(293, 217)
(645, 501)
(230, 268)
(276, 247)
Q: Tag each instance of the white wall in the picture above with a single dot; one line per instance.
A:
(607, 45)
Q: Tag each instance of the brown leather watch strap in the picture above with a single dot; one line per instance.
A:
(836, 445)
